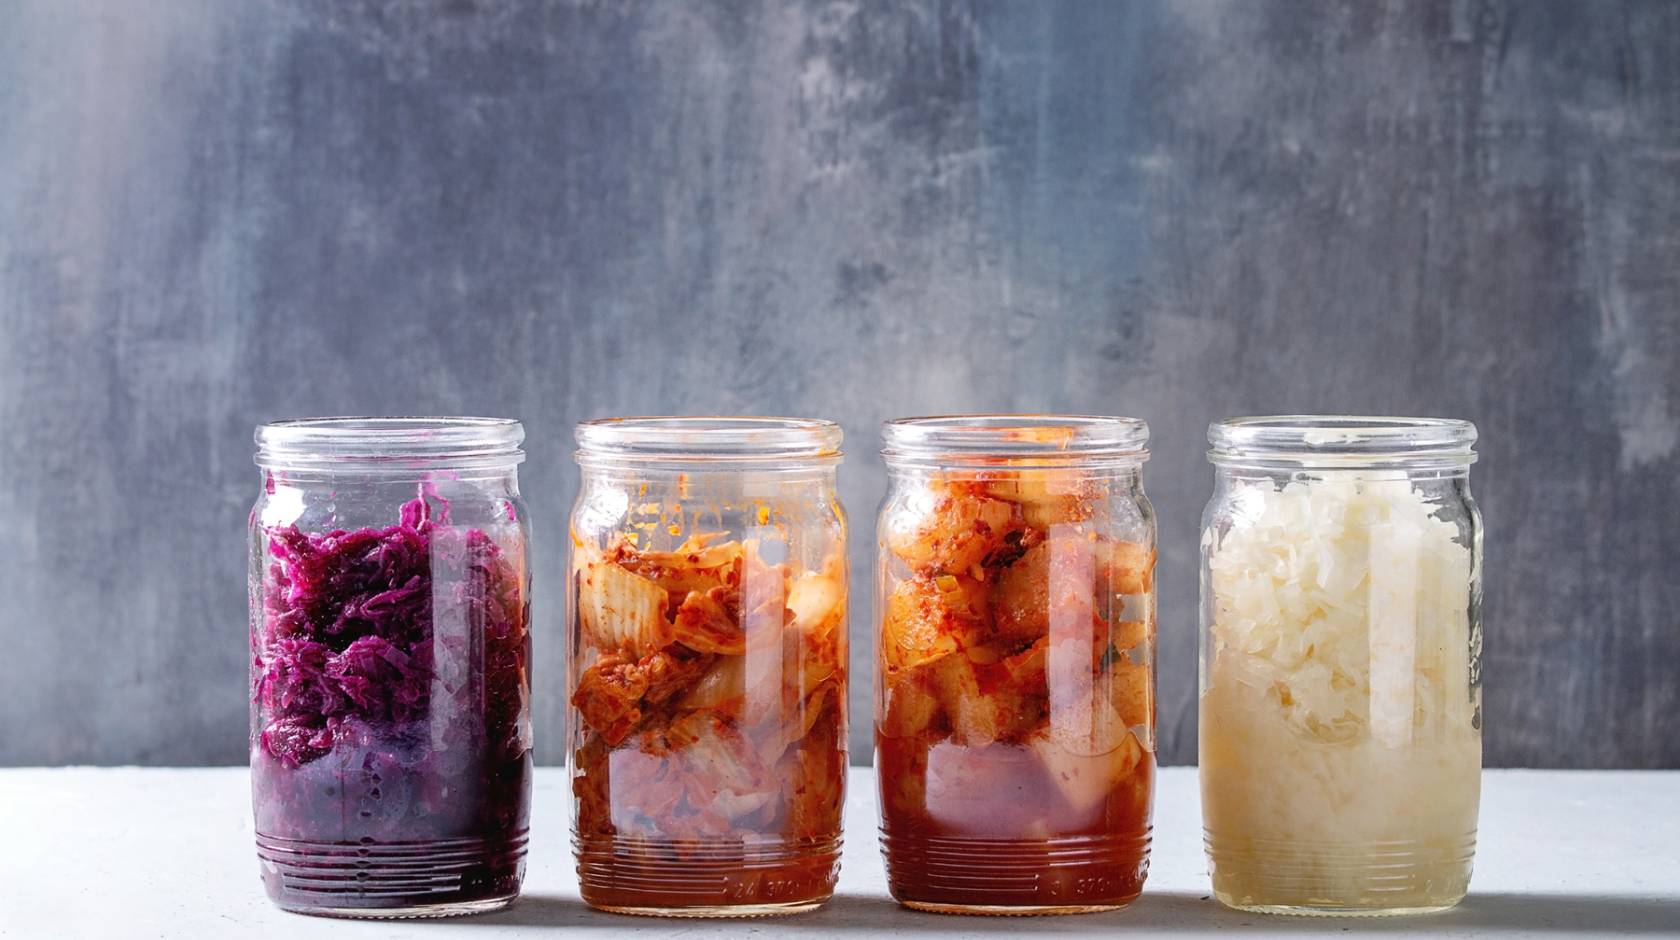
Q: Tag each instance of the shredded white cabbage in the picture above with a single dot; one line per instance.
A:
(1337, 713)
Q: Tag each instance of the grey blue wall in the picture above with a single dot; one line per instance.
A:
(216, 213)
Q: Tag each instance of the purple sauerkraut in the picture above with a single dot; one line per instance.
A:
(389, 687)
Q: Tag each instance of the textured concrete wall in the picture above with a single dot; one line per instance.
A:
(214, 213)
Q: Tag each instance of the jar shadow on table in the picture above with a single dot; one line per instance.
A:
(1164, 912)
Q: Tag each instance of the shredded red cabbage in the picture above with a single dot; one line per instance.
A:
(389, 680)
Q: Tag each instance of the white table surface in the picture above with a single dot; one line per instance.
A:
(167, 853)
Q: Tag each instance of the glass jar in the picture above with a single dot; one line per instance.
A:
(1015, 691)
(1341, 739)
(390, 719)
(707, 665)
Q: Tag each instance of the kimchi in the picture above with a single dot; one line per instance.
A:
(1015, 713)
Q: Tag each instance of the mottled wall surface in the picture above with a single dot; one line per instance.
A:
(213, 214)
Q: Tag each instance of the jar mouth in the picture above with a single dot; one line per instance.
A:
(1343, 441)
(392, 441)
(1018, 438)
(665, 438)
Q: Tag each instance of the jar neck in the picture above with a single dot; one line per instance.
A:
(500, 479)
(390, 449)
(1001, 443)
(950, 466)
(677, 446)
(699, 475)
(1289, 473)
(1315, 445)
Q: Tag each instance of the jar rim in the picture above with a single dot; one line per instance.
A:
(1015, 437)
(1343, 440)
(708, 437)
(389, 440)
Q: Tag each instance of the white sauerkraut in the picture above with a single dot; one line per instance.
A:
(1340, 751)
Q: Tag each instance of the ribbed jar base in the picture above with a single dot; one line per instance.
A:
(1371, 879)
(389, 880)
(660, 878)
(1069, 875)
(725, 910)
(993, 910)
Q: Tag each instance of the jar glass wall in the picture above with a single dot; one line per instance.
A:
(1340, 710)
(707, 665)
(390, 722)
(1015, 707)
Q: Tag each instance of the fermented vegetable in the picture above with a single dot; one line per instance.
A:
(389, 682)
(1340, 741)
(712, 695)
(1015, 730)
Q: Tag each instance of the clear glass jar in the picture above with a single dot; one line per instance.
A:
(707, 665)
(1015, 663)
(390, 718)
(1340, 708)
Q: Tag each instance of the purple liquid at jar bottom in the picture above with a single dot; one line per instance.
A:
(373, 876)
(364, 830)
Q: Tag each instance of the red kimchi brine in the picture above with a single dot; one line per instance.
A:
(708, 665)
(1015, 663)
